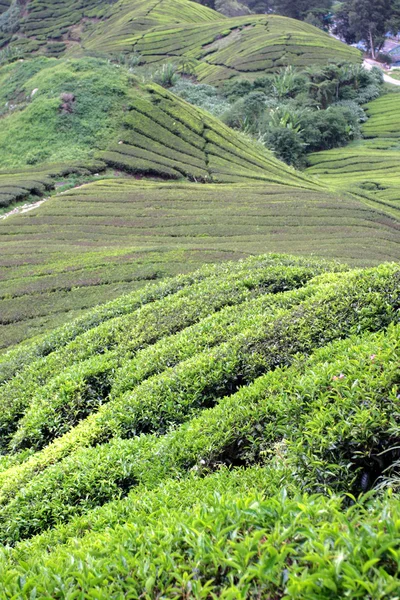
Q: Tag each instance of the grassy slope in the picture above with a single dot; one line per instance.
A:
(243, 379)
(37, 129)
(109, 237)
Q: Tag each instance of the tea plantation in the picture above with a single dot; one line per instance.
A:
(368, 167)
(182, 439)
(246, 46)
(199, 344)
(158, 29)
(109, 237)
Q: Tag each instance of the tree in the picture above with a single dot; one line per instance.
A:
(394, 21)
(366, 20)
(369, 20)
(299, 9)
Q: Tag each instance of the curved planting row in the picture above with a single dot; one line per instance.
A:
(209, 436)
(44, 19)
(260, 44)
(56, 264)
(176, 308)
(54, 26)
(272, 332)
(368, 168)
(19, 185)
(383, 118)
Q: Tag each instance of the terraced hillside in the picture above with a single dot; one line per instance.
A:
(92, 244)
(64, 110)
(241, 46)
(162, 29)
(45, 23)
(16, 185)
(368, 167)
(190, 421)
(383, 116)
(166, 137)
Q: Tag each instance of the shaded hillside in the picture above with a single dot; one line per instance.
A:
(187, 421)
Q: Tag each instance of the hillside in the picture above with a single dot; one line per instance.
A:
(119, 129)
(241, 46)
(369, 167)
(161, 29)
(172, 188)
(179, 439)
(95, 243)
(69, 109)
(199, 308)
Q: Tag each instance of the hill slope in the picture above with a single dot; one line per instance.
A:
(260, 43)
(96, 120)
(92, 244)
(162, 29)
(370, 167)
(185, 422)
(69, 109)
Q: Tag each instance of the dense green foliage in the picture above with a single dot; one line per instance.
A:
(367, 20)
(173, 425)
(200, 413)
(295, 112)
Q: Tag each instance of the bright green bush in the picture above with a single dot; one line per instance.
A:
(65, 400)
(169, 311)
(188, 422)
(231, 544)
(353, 302)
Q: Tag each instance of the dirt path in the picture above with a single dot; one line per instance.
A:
(19, 210)
(368, 64)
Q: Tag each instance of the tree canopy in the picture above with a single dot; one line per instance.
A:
(367, 21)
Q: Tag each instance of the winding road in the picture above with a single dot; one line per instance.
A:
(368, 64)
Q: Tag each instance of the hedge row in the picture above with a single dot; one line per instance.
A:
(340, 304)
(16, 186)
(232, 544)
(329, 422)
(151, 322)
